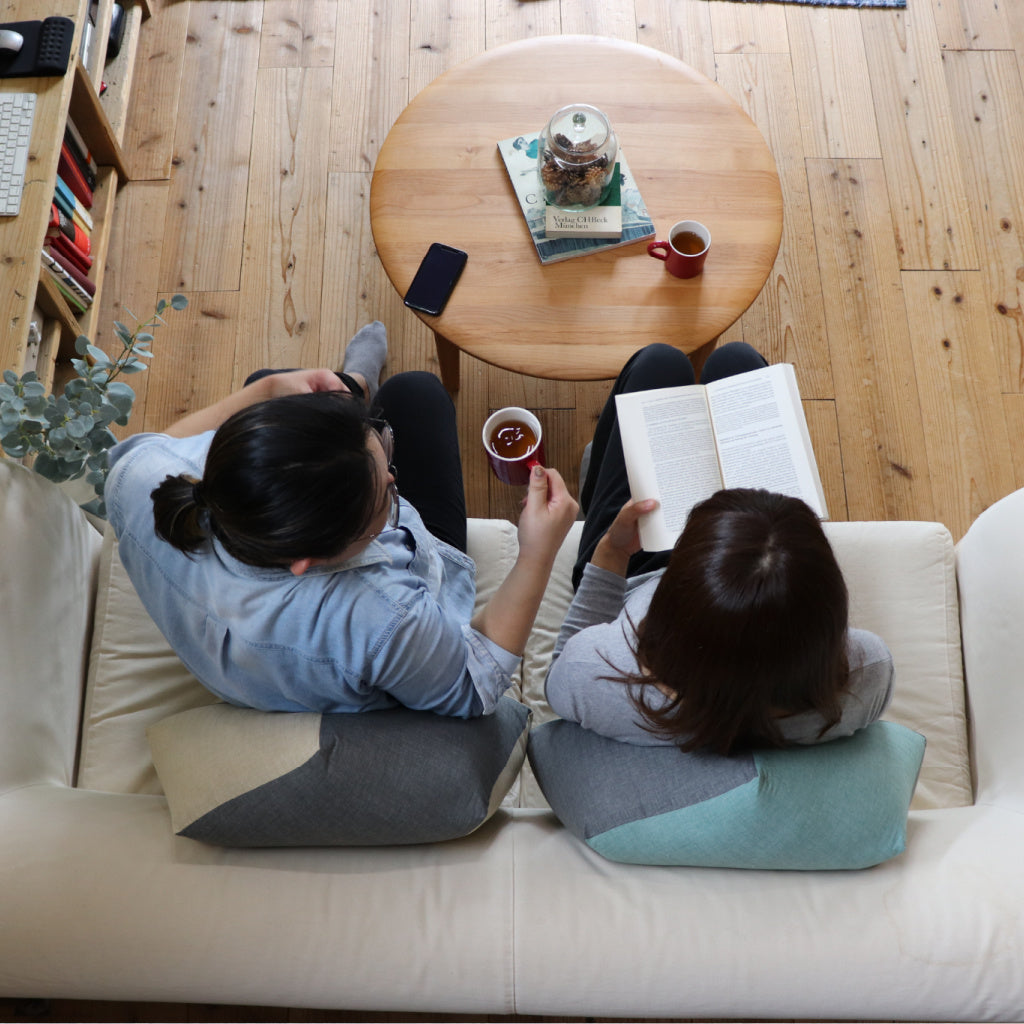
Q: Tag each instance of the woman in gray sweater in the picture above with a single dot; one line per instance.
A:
(737, 638)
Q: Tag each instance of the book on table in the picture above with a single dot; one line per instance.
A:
(603, 221)
(520, 157)
(682, 444)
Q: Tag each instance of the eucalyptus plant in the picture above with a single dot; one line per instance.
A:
(68, 435)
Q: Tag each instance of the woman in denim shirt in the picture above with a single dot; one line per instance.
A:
(267, 539)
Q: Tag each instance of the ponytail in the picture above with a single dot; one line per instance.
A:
(178, 513)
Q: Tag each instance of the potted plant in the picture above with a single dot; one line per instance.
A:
(68, 435)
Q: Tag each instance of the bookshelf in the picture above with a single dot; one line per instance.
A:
(27, 291)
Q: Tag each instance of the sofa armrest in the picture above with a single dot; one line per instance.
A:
(48, 565)
(990, 575)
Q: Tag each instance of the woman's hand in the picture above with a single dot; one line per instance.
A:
(622, 538)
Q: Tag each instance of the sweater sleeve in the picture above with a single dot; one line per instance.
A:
(584, 685)
(865, 699)
(600, 598)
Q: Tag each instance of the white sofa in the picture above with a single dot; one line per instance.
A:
(99, 900)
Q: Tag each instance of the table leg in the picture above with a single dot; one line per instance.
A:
(448, 360)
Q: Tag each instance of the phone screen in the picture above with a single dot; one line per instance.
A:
(435, 278)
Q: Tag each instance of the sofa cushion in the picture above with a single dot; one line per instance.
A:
(50, 558)
(833, 805)
(238, 777)
(136, 680)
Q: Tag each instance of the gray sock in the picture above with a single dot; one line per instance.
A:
(366, 353)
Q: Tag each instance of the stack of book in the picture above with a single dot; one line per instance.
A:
(67, 251)
(559, 234)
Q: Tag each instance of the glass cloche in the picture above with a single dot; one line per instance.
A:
(576, 157)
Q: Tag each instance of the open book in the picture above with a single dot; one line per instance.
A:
(683, 444)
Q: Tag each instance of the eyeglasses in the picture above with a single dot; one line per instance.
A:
(386, 436)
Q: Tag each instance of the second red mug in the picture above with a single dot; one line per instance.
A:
(686, 249)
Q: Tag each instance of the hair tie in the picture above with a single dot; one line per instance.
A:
(197, 494)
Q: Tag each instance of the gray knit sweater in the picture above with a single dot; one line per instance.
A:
(597, 634)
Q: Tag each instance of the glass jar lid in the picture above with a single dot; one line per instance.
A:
(578, 133)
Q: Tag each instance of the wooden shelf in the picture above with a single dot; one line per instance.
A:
(26, 288)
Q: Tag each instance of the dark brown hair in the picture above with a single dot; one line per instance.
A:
(284, 479)
(748, 624)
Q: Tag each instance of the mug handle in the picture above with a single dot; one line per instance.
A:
(659, 250)
(532, 463)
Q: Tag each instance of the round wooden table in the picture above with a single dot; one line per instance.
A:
(694, 154)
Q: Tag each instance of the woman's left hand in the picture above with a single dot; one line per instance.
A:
(622, 538)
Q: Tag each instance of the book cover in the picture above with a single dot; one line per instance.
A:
(520, 157)
(78, 237)
(66, 280)
(682, 444)
(67, 202)
(81, 152)
(604, 221)
(68, 170)
(72, 298)
(76, 272)
(56, 239)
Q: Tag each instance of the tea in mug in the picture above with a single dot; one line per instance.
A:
(512, 440)
(688, 242)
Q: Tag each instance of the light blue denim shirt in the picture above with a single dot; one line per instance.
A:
(390, 626)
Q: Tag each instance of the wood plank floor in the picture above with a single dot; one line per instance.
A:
(897, 292)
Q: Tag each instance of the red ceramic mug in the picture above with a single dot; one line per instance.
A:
(514, 443)
(686, 249)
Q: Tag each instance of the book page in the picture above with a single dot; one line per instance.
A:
(670, 455)
(762, 434)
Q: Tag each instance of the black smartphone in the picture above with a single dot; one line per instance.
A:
(436, 277)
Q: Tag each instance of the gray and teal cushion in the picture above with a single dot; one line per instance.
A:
(238, 777)
(834, 805)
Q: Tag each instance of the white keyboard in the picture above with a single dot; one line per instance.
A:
(17, 111)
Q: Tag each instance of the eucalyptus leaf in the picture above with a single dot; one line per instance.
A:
(14, 445)
(69, 433)
(99, 357)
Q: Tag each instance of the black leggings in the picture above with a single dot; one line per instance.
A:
(427, 461)
(606, 488)
(428, 464)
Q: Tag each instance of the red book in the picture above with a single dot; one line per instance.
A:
(80, 151)
(59, 219)
(69, 171)
(74, 271)
(60, 242)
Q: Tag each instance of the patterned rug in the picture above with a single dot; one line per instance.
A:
(833, 3)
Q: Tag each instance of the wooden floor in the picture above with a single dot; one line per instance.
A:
(898, 292)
